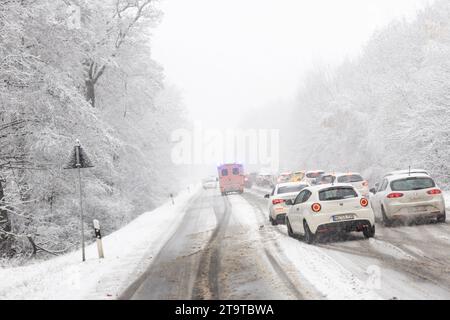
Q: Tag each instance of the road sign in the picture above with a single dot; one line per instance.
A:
(79, 160)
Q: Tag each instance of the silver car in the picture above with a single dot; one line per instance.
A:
(408, 197)
(281, 193)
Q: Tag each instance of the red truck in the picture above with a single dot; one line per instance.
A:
(231, 178)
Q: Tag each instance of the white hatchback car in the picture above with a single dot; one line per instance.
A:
(329, 208)
(277, 200)
(405, 197)
(355, 179)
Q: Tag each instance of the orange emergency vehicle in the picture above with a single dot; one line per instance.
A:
(231, 178)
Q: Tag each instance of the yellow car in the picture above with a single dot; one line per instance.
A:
(298, 176)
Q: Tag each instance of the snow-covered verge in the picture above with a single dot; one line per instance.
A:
(128, 251)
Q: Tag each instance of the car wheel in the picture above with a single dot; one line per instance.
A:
(309, 236)
(289, 229)
(386, 221)
(442, 218)
(272, 221)
(369, 232)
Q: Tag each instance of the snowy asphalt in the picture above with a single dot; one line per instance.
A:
(225, 248)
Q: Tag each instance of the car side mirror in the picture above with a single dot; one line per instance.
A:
(267, 196)
(289, 202)
(373, 190)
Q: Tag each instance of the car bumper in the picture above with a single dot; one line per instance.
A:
(417, 216)
(317, 221)
(412, 211)
(345, 226)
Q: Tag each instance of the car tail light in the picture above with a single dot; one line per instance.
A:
(278, 201)
(395, 195)
(434, 192)
(364, 202)
(316, 207)
(365, 184)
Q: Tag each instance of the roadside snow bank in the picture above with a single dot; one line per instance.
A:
(128, 251)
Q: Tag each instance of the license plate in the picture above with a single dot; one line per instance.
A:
(343, 217)
(418, 209)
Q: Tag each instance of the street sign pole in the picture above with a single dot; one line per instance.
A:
(78, 164)
(79, 160)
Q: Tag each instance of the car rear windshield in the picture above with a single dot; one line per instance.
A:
(327, 179)
(413, 183)
(291, 189)
(351, 178)
(313, 175)
(337, 193)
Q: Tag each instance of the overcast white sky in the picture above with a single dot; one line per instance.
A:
(229, 55)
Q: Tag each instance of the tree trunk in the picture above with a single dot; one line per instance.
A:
(93, 73)
(5, 225)
(90, 91)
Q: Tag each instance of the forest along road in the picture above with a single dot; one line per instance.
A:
(225, 248)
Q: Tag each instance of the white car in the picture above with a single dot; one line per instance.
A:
(329, 208)
(406, 198)
(210, 183)
(412, 171)
(312, 176)
(355, 179)
(277, 200)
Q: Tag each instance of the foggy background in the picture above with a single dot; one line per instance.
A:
(228, 57)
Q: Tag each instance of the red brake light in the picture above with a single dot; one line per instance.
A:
(278, 201)
(434, 192)
(395, 195)
(316, 207)
(364, 202)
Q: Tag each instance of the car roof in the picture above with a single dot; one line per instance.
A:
(291, 184)
(327, 186)
(340, 174)
(403, 176)
(314, 171)
(403, 172)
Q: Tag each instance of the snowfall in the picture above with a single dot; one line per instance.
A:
(130, 250)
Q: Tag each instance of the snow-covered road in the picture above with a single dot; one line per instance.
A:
(211, 247)
(226, 249)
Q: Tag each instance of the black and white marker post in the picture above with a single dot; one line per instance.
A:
(79, 160)
(98, 236)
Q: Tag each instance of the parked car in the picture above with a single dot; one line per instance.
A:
(231, 178)
(408, 197)
(277, 200)
(210, 183)
(329, 208)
